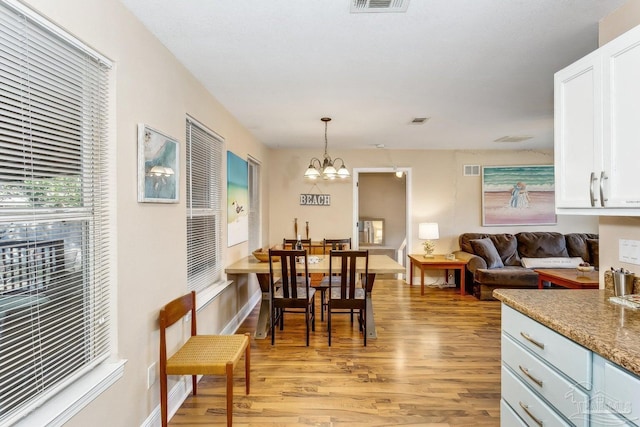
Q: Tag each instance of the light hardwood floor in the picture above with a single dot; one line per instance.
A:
(436, 362)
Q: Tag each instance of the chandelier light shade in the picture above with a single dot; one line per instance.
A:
(326, 168)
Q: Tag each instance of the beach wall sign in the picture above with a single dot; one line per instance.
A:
(315, 200)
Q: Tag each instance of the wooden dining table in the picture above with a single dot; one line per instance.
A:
(378, 264)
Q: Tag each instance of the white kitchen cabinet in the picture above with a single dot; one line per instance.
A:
(545, 376)
(578, 132)
(597, 131)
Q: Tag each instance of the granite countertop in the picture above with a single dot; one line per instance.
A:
(586, 317)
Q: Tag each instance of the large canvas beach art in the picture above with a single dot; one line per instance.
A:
(518, 195)
(237, 200)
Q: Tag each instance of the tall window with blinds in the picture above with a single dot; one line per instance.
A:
(255, 230)
(204, 206)
(54, 271)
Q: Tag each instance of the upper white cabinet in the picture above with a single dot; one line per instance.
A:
(597, 131)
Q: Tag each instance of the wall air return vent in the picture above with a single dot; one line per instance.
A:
(471, 170)
(372, 6)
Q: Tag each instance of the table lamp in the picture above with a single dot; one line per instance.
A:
(428, 231)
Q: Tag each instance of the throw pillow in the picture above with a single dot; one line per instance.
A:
(551, 262)
(507, 247)
(594, 251)
(487, 250)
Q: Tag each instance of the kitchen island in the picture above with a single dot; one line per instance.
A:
(577, 337)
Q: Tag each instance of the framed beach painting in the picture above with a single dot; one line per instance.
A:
(518, 195)
(157, 166)
(237, 200)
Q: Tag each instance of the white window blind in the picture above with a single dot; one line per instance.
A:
(54, 270)
(255, 231)
(204, 206)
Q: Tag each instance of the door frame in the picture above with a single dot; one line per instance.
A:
(408, 193)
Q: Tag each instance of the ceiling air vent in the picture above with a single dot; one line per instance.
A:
(419, 120)
(369, 6)
(471, 170)
(515, 138)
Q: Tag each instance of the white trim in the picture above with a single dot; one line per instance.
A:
(34, 16)
(70, 401)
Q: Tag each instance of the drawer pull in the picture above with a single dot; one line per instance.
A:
(525, 408)
(531, 377)
(532, 341)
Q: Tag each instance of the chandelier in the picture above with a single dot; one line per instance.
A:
(326, 167)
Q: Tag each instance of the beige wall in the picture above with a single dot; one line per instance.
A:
(439, 193)
(612, 229)
(153, 88)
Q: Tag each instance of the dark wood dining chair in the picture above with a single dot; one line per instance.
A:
(291, 244)
(324, 283)
(350, 294)
(200, 355)
(290, 289)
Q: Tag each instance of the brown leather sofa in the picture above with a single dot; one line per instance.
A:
(486, 273)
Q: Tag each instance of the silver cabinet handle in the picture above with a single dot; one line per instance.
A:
(592, 181)
(532, 341)
(526, 409)
(531, 377)
(603, 177)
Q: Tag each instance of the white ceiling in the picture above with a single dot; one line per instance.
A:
(479, 69)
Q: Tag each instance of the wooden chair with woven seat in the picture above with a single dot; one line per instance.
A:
(350, 294)
(200, 355)
(324, 284)
(290, 287)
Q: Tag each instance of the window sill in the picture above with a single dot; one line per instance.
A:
(70, 401)
(205, 296)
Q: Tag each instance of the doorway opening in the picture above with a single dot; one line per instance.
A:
(382, 204)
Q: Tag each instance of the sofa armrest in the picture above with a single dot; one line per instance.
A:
(474, 262)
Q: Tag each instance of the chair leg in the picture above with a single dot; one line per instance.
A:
(313, 313)
(273, 326)
(364, 325)
(247, 365)
(163, 399)
(329, 323)
(229, 394)
(194, 384)
(306, 321)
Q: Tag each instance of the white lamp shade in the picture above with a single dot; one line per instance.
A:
(428, 231)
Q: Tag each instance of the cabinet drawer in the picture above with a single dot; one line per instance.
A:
(568, 357)
(621, 392)
(531, 408)
(565, 396)
(508, 418)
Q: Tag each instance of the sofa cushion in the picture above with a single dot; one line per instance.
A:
(487, 250)
(541, 244)
(507, 276)
(465, 239)
(507, 247)
(577, 245)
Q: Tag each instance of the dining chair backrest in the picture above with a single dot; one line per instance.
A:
(287, 272)
(335, 244)
(345, 263)
(291, 243)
